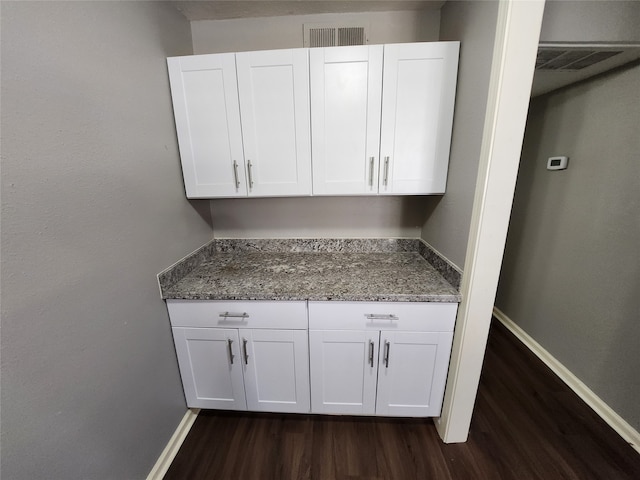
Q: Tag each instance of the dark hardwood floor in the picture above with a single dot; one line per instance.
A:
(527, 424)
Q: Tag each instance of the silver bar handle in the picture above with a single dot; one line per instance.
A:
(385, 180)
(244, 348)
(371, 353)
(380, 316)
(229, 342)
(235, 174)
(387, 347)
(234, 315)
(371, 160)
(249, 166)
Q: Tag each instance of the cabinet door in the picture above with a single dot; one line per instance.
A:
(346, 86)
(412, 373)
(274, 104)
(417, 115)
(207, 115)
(211, 368)
(344, 365)
(276, 370)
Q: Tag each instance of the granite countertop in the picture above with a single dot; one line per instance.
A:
(406, 270)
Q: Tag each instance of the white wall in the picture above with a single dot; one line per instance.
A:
(239, 35)
(448, 217)
(317, 216)
(92, 209)
(571, 271)
(591, 21)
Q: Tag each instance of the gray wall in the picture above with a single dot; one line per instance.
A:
(448, 217)
(238, 35)
(92, 209)
(571, 271)
(317, 216)
(590, 21)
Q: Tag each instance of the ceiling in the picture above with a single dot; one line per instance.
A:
(221, 10)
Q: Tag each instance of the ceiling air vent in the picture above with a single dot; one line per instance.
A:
(316, 35)
(571, 59)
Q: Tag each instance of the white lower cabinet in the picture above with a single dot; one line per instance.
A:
(379, 358)
(209, 361)
(259, 369)
(344, 370)
(350, 358)
(412, 372)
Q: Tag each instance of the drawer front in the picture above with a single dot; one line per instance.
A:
(400, 316)
(238, 314)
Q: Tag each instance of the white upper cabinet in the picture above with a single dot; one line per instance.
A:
(357, 120)
(205, 105)
(274, 104)
(247, 134)
(417, 115)
(346, 89)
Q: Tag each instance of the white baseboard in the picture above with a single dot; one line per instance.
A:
(171, 450)
(616, 422)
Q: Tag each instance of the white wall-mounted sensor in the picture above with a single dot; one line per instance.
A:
(557, 163)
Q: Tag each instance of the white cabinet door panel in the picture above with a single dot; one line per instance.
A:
(343, 371)
(417, 115)
(210, 366)
(276, 370)
(274, 104)
(205, 103)
(346, 87)
(412, 373)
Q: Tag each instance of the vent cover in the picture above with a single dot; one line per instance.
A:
(316, 35)
(571, 59)
(322, 37)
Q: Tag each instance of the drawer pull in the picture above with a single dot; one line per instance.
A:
(385, 180)
(229, 342)
(249, 167)
(246, 355)
(371, 353)
(235, 174)
(376, 316)
(371, 160)
(387, 347)
(234, 315)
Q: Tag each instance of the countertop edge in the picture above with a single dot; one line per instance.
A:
(321, 298)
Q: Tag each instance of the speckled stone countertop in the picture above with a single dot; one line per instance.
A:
(400, 270)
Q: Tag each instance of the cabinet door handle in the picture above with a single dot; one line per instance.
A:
(234, 315)
(229, 342)
(387, 347)
(235, 174)
(371, 160)
(380, 316)
(249, 167)
(385, 179)
(244, 348)
(371, 353)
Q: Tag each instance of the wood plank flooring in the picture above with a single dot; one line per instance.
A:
(527, 424)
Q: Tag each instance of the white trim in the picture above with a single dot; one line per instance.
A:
(171, 450)
(514, 54)
(615, 421)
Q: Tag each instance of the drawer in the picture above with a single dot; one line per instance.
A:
(238, 314)
(406, 316)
